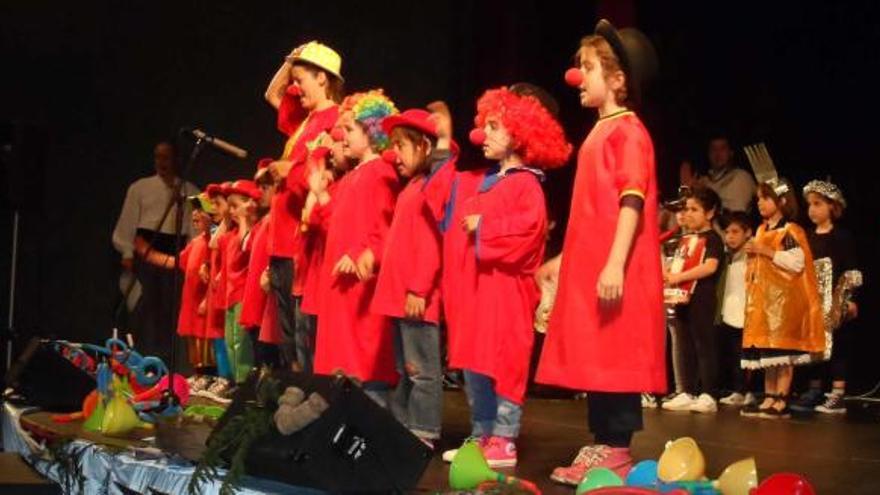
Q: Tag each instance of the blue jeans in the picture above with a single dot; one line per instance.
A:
(491, 414)
(417, 402)
(305, 336)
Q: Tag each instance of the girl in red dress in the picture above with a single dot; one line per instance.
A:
(350, 338)
(606, 333)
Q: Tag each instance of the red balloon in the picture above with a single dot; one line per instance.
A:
(477, 137)
(389, 156)
(785, 484)
(337, 134)
(574, 77)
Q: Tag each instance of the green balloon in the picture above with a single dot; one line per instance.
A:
(598, 477)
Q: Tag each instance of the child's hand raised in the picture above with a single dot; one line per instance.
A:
(414, 307)
(319, 179)
(442, 118)
(265, 283)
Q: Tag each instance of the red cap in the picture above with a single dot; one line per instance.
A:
(245, 188)
(574, 77)
(416, 118)
(389, 156)
(215, 190)
(477, 137)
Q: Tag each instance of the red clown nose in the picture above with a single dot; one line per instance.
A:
(477, 137)
(294, 90)
(337, 134)
(389, 156)
(574, 77)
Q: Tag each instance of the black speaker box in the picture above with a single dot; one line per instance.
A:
(48, 380)
(355, 446)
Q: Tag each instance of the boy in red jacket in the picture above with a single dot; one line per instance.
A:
(191, 323)
(408, 288)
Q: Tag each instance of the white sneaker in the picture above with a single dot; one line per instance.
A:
(749, 399)
(734, 399)
(705, 403)
(649, 402)
(681, 402)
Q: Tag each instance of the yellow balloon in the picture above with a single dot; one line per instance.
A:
(119, 417)
(739, 478)
(681, 461)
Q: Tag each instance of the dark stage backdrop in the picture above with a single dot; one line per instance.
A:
(88, 88)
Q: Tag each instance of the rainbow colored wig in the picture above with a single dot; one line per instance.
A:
(369, 109)
(540, 139)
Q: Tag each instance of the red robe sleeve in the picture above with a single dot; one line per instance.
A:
(437, 189)
(426, 258)
(378, 194)
(183, 259)
(508, 236)
(630, 152)
(290, 114)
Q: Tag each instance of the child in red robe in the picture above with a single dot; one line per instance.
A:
(606, 332)
(215, 299)
(505, 221)
(351, 338)
(242, 198)
(253, 304)
(408, 289)
(191, 323)
(305, 91)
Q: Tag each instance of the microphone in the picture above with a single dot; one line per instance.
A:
(220, 144)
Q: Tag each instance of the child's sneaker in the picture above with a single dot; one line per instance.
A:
(681, 402)
(749, 399)
(833, 405)
(500, 452)
(615, 459)
(449, 455)
(734, 399)
(705, 403)
(808, 401)
(649, 402)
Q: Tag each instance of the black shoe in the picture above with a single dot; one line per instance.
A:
(750, 411)
(775, 413)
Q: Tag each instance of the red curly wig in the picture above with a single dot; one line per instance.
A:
(540, 139)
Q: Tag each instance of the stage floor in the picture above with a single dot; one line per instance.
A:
(836, 455)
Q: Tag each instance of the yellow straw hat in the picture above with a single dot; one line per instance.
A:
(320, 55)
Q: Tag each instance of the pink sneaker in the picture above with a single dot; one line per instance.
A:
(615, 459)
(500, 452)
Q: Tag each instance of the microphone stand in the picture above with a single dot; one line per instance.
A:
(169, 398)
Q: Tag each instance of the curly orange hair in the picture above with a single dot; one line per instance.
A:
(540, 139)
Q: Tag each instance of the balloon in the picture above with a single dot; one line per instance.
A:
(682, 460)
(738, 478)
(477, 137)
(96, 418)
(598, 477)
(469, 469)
(785, 484)
(643, 474)
(574, 77)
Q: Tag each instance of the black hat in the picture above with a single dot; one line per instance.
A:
(543, 97)
(637, 56)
